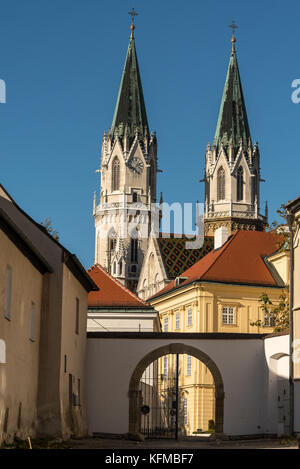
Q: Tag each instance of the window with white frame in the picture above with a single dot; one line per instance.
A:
(165, 372)
(177, 322)
(269, 320)
(188, 365)
(166, 324)
(228, 315)
(8, 286)
(32, 322)
(190, 317)
(185, 411)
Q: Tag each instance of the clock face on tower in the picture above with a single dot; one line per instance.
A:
(136, 165)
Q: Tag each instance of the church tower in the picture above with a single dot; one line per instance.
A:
(128, 180)
(232, 164)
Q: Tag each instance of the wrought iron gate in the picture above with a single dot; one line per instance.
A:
(160, 399)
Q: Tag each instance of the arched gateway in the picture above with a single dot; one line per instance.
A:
(176, 348)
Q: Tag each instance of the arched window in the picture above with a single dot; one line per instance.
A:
(240, 184)
(115, 174)
(134, 249)
(221, 184)
(112, 240)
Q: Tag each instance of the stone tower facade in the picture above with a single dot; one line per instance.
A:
(232, 164)
(128, 181)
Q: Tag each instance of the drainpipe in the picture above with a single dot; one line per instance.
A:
(290, 219)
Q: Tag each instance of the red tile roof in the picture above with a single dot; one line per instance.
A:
(240, 260)
(112, 292)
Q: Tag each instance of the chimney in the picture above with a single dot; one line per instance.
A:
(221, 236)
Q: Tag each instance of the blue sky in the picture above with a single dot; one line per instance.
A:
(62, 62)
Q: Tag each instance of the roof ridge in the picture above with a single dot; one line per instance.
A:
(25, 239)
(225, 246)
(43, 230)
(117, 282)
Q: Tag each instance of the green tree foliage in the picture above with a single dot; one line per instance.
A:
(276, 315)
(282, 228)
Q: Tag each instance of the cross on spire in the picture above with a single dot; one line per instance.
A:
(233, 26)
(132, 13)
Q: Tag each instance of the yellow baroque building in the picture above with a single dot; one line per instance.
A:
(220, 293)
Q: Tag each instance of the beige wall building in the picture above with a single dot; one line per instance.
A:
(48, 301)
(22, 273)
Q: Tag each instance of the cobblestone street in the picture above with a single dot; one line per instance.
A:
(102, 443)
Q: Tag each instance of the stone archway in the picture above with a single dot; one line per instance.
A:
(166, 350)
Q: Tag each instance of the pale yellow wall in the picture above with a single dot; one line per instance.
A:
(206, 301)
(281, 262)
(73, 346)
(19, 375)
(197, 387)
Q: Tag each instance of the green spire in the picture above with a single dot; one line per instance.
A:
(232, 121)
(130, 108)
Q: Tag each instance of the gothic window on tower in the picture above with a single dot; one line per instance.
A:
(112, 245)
(240, 184)
(115, 174)
(221, 184)
(134, 249)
